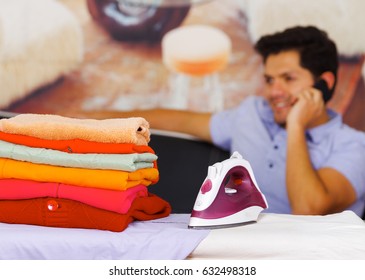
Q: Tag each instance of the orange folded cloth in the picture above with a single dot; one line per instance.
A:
(75, 145)
(54, 127)
(83, 177)
(57, 212)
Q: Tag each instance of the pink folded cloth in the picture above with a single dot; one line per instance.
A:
(115, 201)
(54, 127)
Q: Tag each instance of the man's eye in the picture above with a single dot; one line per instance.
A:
(269, 81)
(289, 79)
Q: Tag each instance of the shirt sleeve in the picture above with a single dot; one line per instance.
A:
(348, 157)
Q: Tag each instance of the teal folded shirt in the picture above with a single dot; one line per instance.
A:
(123, 162)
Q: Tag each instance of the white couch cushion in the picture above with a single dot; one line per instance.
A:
(41, 40)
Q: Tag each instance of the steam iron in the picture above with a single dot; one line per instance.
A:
(229, 196)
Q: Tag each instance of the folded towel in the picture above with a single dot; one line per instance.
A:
(125, 162)
(75, 145)
(58, 212)
(115, 201)
(97, 178)
(54, 127)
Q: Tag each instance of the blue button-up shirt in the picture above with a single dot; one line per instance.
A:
(251, 130)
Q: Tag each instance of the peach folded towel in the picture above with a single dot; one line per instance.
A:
(95, 178)
(54, 127)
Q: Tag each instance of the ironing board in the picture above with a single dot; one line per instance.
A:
(274, 236)
(160, 239)
(284, 237)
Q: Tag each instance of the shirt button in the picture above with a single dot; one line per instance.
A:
(276, 147)
(52, 205)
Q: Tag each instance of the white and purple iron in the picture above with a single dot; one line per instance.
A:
(229, 196)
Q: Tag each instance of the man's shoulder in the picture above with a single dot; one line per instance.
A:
(346, 134)
(252, 101)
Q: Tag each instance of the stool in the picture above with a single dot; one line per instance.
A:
(196, 53)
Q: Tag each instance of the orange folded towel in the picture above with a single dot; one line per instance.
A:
(83, 177)
(54, 127)
(57, 212)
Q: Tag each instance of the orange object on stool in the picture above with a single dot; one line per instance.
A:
(200, 52)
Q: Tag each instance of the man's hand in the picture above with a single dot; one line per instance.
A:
(307, 109)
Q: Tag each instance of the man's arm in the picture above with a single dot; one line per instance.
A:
(193, 123)
(311, 191)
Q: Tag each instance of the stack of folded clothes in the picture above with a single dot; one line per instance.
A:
(77, 173)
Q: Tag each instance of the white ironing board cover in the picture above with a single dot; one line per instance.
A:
(278, 236)
(160, 239)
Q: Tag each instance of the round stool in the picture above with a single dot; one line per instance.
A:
(196, 52)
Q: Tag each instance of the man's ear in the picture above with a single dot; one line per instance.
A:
(329, 78)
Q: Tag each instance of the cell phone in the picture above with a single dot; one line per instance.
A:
(323, 87)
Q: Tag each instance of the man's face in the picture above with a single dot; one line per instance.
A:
(284, 80)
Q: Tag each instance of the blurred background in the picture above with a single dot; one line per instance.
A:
(72, 56)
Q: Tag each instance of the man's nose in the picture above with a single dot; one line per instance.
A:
(276, 89)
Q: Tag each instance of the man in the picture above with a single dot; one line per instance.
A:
(305, 160)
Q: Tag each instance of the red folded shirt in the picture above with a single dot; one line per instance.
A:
(65, 213)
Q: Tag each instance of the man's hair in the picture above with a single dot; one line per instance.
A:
(318, 53)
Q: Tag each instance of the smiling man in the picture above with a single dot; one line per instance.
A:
(305, 159)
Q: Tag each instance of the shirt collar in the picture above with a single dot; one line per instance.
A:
(313, 135)
(319, 132)
(267, 117)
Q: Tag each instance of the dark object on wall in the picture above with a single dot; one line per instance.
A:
(126, 21)
(183, 165)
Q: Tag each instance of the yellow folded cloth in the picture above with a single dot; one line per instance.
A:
(54, 127)
(97, 178)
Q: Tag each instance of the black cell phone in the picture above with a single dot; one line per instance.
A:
(323, 87)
